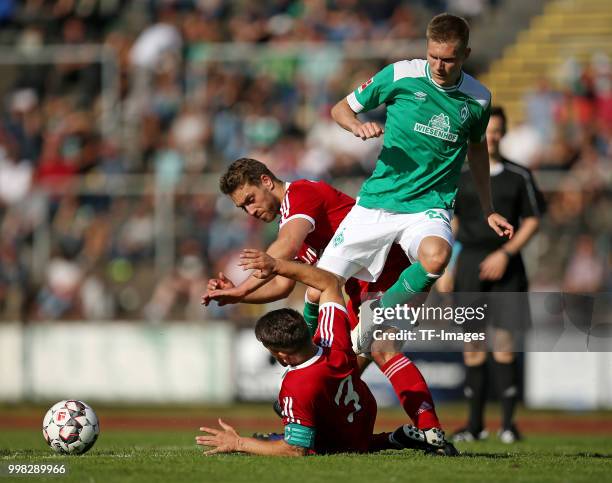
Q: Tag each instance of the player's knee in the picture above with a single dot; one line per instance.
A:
(313, 295)
(434, 254)
(474, 358)
(381, 358)
(362, 363)
(503, 357)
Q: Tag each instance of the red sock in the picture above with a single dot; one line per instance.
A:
(412, 391)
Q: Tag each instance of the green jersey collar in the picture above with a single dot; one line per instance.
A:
(438, 86)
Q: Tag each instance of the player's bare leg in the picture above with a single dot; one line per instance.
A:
(433, 256)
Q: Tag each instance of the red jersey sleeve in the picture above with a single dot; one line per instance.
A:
(302, 200)
(307, 255)
(296, 410)
(296, 399)
(334, 329)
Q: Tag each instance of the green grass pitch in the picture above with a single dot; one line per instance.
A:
(149, 455)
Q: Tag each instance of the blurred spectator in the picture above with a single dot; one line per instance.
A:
(15, 178)
(585, 272)
(134, 239)
(24, 123)
(541, 106)
(157, 40)
(467, 8)
(182, 288)
(59, 297)
(190, 132)
(13, 282)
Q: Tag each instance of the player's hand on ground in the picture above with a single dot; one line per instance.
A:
(224, 440)
(494, 266)
(221, 283)
(367, 130)
(260, 262)
(500, 225)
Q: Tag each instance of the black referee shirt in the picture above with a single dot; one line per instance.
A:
(515, 196)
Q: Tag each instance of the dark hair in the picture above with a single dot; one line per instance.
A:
(499, 111)
(282, 329)
(448, 28)
(241, 172)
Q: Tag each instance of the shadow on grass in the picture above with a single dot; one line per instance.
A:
(494, 456)
(112, 453)
(18, 453)
(591, 455)
(491, 456)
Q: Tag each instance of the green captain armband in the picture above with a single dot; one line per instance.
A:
(298, 435)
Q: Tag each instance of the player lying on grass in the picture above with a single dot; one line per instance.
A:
(326, 407)
(310, 212)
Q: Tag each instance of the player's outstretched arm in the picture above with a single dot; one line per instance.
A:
(347, 119)
(227, 440)
(260, 291)
(252, 291)
(478, 159)
(265, 266)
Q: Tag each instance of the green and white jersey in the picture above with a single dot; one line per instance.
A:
(426, 135)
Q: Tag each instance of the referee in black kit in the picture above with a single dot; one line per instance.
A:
(488, 263)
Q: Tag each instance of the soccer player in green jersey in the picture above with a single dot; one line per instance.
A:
(436, 115)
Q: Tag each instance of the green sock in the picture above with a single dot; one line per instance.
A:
(412, 281)
(311, 316)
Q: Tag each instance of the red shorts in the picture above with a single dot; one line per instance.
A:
(359, 291)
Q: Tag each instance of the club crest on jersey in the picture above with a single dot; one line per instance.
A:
(365, 84)
(464, 113)
(437, 127)
(338, 239)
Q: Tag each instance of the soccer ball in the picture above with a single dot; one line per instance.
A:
(70, 427)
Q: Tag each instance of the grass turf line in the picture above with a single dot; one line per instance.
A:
(148, 456)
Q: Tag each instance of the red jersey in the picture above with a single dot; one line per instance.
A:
(326, 392)
(322, 205)
(325, 207)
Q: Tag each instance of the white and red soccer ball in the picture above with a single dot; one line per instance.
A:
(71, 427)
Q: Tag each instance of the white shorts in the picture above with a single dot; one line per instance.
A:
(361, 243)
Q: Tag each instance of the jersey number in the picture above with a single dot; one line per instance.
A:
(351, 396)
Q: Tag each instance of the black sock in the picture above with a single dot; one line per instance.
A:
(505, 376)
(476, 394)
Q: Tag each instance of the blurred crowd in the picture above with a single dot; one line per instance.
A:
(567, 136)
(102, 223)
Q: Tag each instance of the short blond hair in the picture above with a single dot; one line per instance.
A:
(449, 28)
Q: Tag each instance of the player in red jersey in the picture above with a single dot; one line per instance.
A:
(327, 408)
(310, 214)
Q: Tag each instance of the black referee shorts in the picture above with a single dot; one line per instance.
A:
(507, 302)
